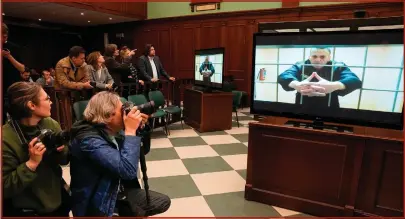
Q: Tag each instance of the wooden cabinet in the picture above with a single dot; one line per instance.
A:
(325, 173)
(208, 112)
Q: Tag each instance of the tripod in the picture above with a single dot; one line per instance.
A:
(145, 176)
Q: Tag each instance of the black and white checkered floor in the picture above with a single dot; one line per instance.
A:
(204, 173)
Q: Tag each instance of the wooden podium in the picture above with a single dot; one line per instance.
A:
(208, 112)
(326, 173)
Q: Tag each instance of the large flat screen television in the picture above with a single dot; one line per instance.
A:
(209, 67)
(344, 77)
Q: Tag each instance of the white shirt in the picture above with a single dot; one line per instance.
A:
(99, 73)
(154, 69)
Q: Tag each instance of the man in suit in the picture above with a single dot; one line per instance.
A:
(150, 67)
(319, 81)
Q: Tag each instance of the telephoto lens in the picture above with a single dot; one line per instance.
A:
(52, 140)
(146, 108)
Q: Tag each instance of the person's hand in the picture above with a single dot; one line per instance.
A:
(87, 85)
(132, 52)
(36, 152)
(141, 82)
(108, 86)
(172, 78)
(154, 79)
(60, 148)
(307, 88)
(145, 118)
(328, 86)
(5, 53)
(132, 121)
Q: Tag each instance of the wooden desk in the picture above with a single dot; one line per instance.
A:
(208, 112)
(325, 173)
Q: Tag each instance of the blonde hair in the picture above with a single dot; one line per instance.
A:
(101, 107)
(124, 53)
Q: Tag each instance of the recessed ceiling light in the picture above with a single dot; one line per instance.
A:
(3, 14)
(88, 21)
(110, 18)
(40, 19)
(82, 13)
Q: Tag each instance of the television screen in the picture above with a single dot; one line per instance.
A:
(209, 67)
(349, 77)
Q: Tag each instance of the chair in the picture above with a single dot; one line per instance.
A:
(159, 99)
(141, 99)
(78, 109)
(123, 100)
(237, 97)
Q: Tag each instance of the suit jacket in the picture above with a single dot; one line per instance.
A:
(145, 68)
(104, 79)
(67, 78)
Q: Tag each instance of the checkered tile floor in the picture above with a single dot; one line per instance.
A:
(204, 173)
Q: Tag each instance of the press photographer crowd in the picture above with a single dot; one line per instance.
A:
(104, 149)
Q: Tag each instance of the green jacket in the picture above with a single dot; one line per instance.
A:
(39, 190)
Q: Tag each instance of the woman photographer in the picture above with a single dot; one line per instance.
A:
(32, 176)
(98, 72)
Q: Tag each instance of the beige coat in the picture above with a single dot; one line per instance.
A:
(65, 75)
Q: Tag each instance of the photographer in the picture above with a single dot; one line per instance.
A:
(104, 158)
(32, 177)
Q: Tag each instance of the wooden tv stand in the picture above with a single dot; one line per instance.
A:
(326, 173)
(207, 112)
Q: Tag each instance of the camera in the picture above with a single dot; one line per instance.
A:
(147, 108)
(52, 140)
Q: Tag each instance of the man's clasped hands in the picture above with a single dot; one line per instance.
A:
(316, 89)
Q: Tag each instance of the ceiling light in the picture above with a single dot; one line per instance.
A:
(82, 13)
(88, 21)
(3, 14)
(110, 18)
(40, 19)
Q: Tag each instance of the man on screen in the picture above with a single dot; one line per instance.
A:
(319, 81)
(207, 70)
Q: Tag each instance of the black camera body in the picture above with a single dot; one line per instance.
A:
(52, 140)
(146, 108)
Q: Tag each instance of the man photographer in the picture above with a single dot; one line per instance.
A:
(32, 176)
(105, 159)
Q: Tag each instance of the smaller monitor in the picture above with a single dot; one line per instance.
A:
(209, 67)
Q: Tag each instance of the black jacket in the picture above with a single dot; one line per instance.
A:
(145, 68)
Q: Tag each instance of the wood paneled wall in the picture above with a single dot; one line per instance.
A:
(176, 39)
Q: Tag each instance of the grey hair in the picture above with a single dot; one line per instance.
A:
(101, 107)
(320, 47)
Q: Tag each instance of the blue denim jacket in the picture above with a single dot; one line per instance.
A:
(96, 169)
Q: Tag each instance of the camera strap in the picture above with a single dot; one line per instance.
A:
(20, 134)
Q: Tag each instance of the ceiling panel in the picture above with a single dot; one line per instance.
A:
(56, 13)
